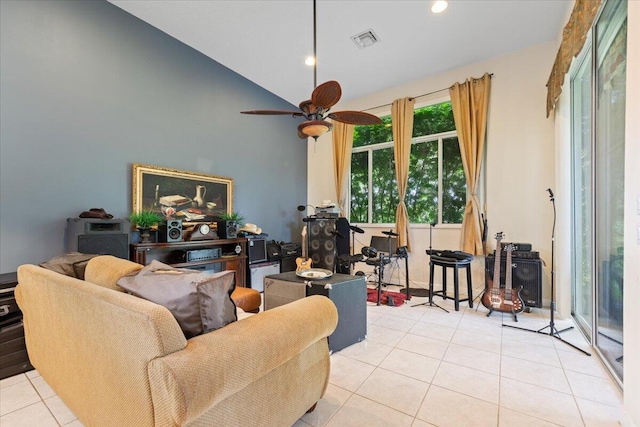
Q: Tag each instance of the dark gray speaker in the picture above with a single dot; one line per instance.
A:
(227, 229)
(98, 236)
(170, 231)
(526, 273)
(322, 243)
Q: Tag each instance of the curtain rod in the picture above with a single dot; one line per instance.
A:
(415, 97)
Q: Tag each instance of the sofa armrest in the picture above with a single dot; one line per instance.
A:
(216, 365)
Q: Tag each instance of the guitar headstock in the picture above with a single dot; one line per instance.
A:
(499, 236)
(510, 247)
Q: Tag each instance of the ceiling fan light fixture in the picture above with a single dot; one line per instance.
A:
(310, 61)
(439, 6)
(315, 128)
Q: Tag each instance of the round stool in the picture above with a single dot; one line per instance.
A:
(455, 260)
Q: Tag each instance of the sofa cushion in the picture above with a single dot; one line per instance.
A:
(71, 264)
(199, 301)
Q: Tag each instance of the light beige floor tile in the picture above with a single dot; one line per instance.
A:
(469, 381)
(423, 345)
(59, 410)
(32, 374)
(419, 423)
(384, 335)
(333, 399)
(33, 415)
(596, 414)
(18, 396)
(535, 373)
(42, 388)
(359, 411)
(439, 317)
(348, 373)
(478, 341)
(300, 423)
(74, 423)
(410, 364)
(601, 390)
(397, 391)
(473, 324)
(446, 408)
(432, 330)
(578, 362)
(13, 380)
(549, 405)
(372, 317)
(408, 311)
(367, 351)
(528, 336)
(574, 337)
(510, 418)
(482, 360)
(531, 351)
(394, 322)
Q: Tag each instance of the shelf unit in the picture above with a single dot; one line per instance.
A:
(233, 255)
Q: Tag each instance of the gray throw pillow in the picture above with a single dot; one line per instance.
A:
(199, 301)
(70, 264)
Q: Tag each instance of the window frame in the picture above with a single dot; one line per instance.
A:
(439, 137)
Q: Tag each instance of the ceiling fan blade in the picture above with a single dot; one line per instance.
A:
(327, 94)
(355, 118)
(273, 112)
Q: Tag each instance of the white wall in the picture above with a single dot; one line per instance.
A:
(520, 156)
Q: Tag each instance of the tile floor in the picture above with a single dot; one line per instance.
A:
(420, 366)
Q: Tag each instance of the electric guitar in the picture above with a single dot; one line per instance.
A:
(497, 299)
(304, 262)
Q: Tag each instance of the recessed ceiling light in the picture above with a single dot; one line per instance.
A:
(439, 6)
(310, 60)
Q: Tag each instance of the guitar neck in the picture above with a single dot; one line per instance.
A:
(496, 266)
(304, 242)
(509, 271)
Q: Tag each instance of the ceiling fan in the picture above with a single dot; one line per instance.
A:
(316, 110)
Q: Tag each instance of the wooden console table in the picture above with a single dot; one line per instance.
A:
(230, 254)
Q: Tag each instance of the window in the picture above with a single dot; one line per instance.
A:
(436, 189)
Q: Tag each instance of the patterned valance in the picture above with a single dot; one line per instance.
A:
(573, 38)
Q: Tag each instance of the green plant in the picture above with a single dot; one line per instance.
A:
(145, 219)
(234, 216)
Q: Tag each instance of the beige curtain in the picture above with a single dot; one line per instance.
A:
(470, 103)
(342, 135)
(402, 126)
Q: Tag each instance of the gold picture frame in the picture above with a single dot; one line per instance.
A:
(192, 197)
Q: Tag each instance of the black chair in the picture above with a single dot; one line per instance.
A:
(455, 260)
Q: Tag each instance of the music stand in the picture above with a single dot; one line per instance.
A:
(430, 303)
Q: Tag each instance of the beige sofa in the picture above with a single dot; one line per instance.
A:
(118, 360)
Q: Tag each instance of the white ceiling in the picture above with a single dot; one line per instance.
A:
(266, 41)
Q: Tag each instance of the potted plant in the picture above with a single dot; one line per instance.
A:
(229, 224)
(143, 221)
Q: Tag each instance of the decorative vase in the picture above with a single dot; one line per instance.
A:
(144, 234)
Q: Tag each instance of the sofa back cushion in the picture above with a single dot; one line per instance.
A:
(106, 270)
(199, 301)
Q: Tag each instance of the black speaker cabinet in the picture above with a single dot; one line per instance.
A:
(227, 229)
(170, 231)
(322, 243)
(526, 273)
(98, 236)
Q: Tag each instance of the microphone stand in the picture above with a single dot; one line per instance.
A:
(552, 307)
(430, 303)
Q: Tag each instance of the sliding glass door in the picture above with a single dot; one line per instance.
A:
(598, 94)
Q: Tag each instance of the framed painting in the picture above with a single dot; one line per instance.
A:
(192, 197)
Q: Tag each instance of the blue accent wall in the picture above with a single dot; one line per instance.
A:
(86, 90)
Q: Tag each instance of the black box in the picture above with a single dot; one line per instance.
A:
(348, 293)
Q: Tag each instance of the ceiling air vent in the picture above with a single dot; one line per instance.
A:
(365, 39)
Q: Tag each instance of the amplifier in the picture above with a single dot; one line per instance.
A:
(522, 254)
(521, 247)
(290, 249)
(202, 254)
